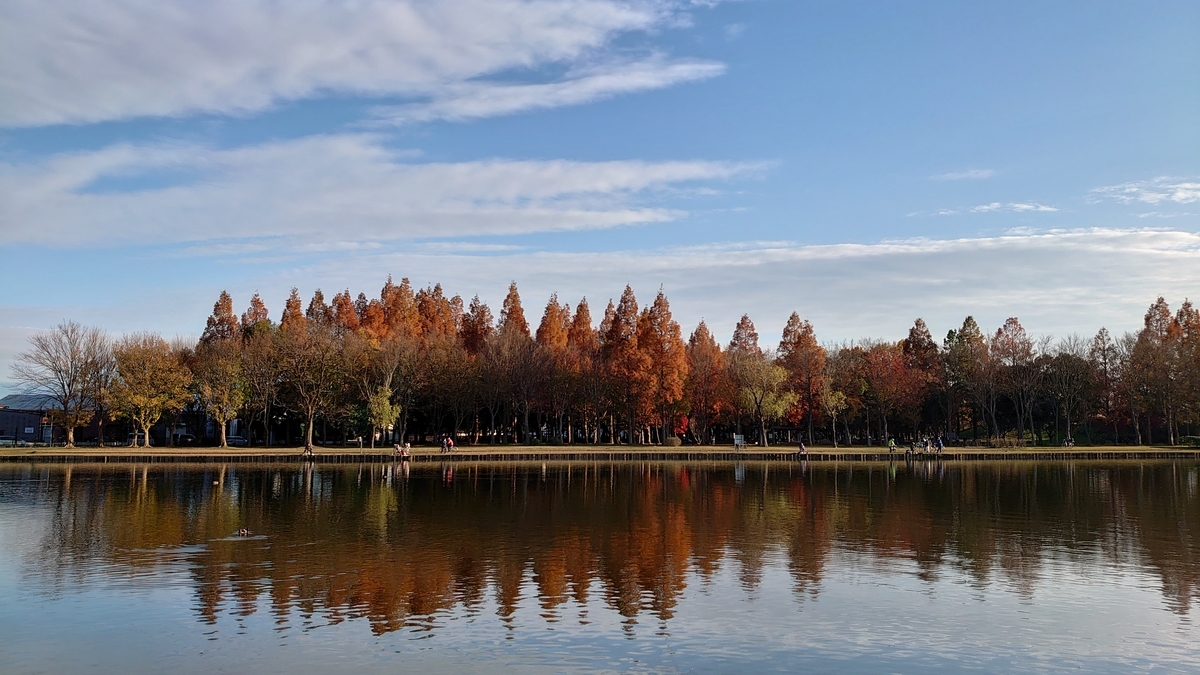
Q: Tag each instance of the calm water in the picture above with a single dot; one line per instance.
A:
(622, 568)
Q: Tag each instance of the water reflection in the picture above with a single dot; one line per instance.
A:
(400, 548)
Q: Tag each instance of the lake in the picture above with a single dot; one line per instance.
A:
(627, 567)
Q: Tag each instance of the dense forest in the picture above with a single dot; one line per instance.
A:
(416, 366)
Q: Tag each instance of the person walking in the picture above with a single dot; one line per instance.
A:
(891, 445)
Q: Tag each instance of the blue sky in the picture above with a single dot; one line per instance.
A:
(861, 163)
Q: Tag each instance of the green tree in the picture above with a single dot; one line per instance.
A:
(762, 388)
(381, 411)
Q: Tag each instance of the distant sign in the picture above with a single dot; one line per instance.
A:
(29, 430)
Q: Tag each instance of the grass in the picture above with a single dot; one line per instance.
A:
(467, 451)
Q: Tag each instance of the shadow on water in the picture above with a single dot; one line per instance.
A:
(398, 546)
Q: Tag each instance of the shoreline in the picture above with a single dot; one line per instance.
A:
(523, 453)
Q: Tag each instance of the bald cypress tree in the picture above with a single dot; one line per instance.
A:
(804, 359)
(293, 314)
(706, 388)
(624, 363)
(222, 323)
(660, 341)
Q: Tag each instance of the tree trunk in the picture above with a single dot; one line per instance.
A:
(1133, 416)
(266, 427)
(224, 434)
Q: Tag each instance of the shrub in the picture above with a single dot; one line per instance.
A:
(674, 442)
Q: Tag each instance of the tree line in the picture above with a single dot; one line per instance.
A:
(415, 365)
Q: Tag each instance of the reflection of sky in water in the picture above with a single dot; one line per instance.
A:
(1096, 606)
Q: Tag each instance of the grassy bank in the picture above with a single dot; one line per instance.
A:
(582, 452)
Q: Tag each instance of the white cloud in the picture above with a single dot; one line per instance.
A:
(322, 190)
(1013, 207)
(77, 62)
(971, 174)
(1161, 190)
(992, 207)
(472, 100)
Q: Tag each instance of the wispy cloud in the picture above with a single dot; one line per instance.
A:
(1013, 207)
(78, 62)
(1161, 190)
(992, 207)
(325, 189)
(472, 100)
(970, 174)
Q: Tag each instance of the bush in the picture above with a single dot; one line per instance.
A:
(673, 442)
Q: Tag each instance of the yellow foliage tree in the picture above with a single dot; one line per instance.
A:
(152, 379)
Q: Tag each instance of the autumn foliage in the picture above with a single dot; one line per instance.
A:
(414, 365)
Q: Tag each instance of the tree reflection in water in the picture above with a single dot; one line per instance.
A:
(399, 547)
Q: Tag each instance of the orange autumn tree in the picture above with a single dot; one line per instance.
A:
(590, 388)
(889, 381)
(552, 336)
(925, 365)
(400, 309)
(256, 317)
(437, 315)
(518, 355)
(664, 358)
(345, 315)
(624, 363)
(743, 346)
(804, 360)
(707, 384)
(223, 323)
(293, 314)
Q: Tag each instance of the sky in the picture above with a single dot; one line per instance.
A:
(863, 164)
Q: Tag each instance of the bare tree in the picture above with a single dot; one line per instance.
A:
(398, 367)
(1103, 357)
(1021, 374)
(311, 360)
(1132, 386)
(1071, 380)
(261, 375)
(60, 365)
(100, 386)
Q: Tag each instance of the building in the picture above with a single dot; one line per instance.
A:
(26, 417)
